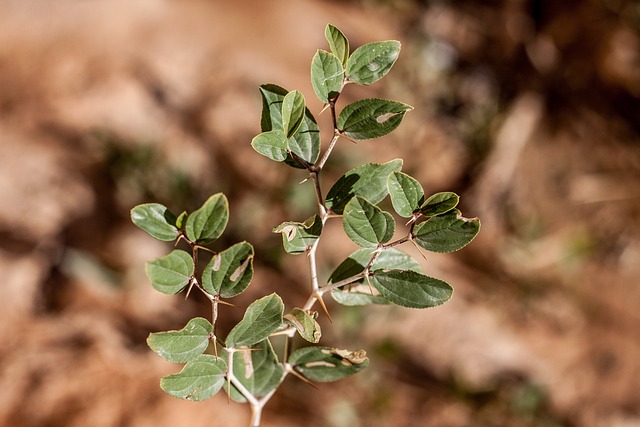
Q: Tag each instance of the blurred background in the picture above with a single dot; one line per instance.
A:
(527, 109)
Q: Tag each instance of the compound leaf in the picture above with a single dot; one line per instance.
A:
(327, 75)
(338, 43)
(305, 324)
(260, 320)
(171, 273)
(183, 345)
(410, 289)
(207, 223)
(368, 181)
(229, 272)
(272, 144)
(370, 62)
(200, 379)
(371, 118)
(293, 106)
(366, 224)
(446, 233)
(406, 193)
(327, 364)
(439, 204)
(156, 220)
(298, 237)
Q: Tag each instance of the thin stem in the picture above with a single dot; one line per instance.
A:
(327, 153)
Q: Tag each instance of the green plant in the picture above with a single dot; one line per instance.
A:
(244, 362)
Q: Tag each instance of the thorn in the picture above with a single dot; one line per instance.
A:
(324, 108)
(191, 283)
(228, 303)
(303, 181)
(324, 307)
(418, 248)
(215, 347)
(206, 249)
(301, 377)
(369, 284)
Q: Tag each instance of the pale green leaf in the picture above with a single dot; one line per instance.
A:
(183, 345)
(293, 107)
(370, 62)
(230, 271)
(338, 43)
(410, 289)
(371, 118)
(207, 223)
(446, 233)
(261, 319)
(327, 364)
(257, 369)
(327, 75)
(406, 193)
(171, 273)
(366, 224)
(199, 379)
(298, 237)
(272, 144)
(305, 324)
(439, 204)
(156, 220)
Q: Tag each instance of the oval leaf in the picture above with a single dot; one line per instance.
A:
(366, 224)
(260, 320)
(406, 193)
(327, 364)
(306, 142)
(229, 272)
(371, 62)
(156, 220)
(367, 181)
(183, 345)
(293, 106)
(410, 289)
(207, 223)
(171, 273)
(199, 379)
(354, 298)
(305, 324)
(327, 75)
(446, 233)
(272, 144)
(338, 43)
(371, 118)
(298, 237)
(391, 258)
(439, 204)
(258, 370)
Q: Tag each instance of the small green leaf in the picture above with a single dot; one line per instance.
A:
(207, 223)
(293, 106)
(391, 258)
(258, 370)
(229, 272)
(368, 181)
(439, 204)
(371, 118)
(272, 144)
(446, 233)
(338, 43)
(327, 364)
(371, 62)
(406, 193)
(366, 224)
(156, 220)
(306, 142)
(260, 320)
(199, 379)
(305, 324)
(354, 298)
(183, 345)
(327, 75)
(181, 220)
(171, 273)
(410, 289)
(298, 237)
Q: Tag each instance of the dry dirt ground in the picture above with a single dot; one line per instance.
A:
(528, 109)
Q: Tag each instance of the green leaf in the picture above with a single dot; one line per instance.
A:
(156, 220)
(366, 224)
(272, 144)
(229, 272)
(199, 379)
(182, 218)
(391, 258)
(338, 43)
(371, 118)
(371, 62)
(260, 320)
(306, 142)
(293, 106)
(305, 324)
(446, 233)
(327, 75)
(368, 181)
(183, 345)
(354, 297)
(410, 289)
(406, 193)
(327, 364)
(171, 273)
(298, 237)
(207, 223)
(258, 370)
(439, 204)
